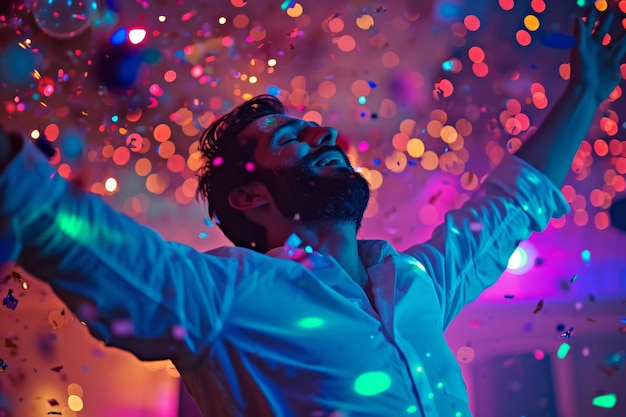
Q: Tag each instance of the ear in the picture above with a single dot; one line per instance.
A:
(248, 197)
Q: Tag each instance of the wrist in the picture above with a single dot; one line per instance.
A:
(582, 92)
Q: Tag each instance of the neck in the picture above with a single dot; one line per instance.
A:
(336, 240)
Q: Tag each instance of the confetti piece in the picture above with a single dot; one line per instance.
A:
(10, 301)
(434, 197)
(615, 359)
(568, 333)
(592, 298)
(509, 296)
(608, 370)
(57, 368)
(563, 350)
(574, 278)
(605, 401)
(53, 402)
(592, 320)
(3, 365)
(539, 307)
(287, 4)
(293, 241)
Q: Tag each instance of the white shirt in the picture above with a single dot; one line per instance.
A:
(265, 335)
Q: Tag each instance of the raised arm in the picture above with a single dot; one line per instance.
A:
(471, 249)
(136, 291)
(595, 72)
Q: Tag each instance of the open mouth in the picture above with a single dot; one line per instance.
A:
(332, 158)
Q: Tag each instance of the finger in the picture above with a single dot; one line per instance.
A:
(604, 26)
(578, 29)
(590, 21)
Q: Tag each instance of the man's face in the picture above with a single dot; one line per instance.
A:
(307, 174)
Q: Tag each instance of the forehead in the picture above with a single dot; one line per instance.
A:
(267, 125)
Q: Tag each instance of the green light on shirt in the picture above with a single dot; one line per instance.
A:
(605, 401)
(411, 409)
(372, 383)
(563, 350)
(310, 322)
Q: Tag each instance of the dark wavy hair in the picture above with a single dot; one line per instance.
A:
(226, 154)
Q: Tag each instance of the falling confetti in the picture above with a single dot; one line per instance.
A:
(293, 241)
(3, 365)
(10, 301)
(125, 140)
(568, 333)
(57, 368)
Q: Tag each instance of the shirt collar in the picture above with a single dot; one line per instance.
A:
(372, 252)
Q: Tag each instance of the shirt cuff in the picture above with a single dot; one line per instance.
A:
(29, 185)
(535, 193)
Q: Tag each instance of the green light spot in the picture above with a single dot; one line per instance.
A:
(439, 385)
(431, 395)
(411, 409)
(563, 350)
(605, 401)
(362, 100)
(458, 414)
(310, 322)
(82, 231)
(420, 369)
(372, 383)
(586, 255)
(428, 354)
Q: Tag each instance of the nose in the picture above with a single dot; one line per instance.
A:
(323, 136)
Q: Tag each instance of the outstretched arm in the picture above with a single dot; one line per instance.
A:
(595, 73)
(136, 291)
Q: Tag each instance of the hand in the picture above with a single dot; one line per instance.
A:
(594, 66)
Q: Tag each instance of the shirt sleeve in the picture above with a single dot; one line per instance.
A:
(470, 250)
(134, 290)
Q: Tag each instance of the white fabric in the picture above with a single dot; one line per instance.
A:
(265, 335)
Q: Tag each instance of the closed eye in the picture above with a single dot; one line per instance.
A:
(285, 141)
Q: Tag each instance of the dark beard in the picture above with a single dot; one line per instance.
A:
(302, 192)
